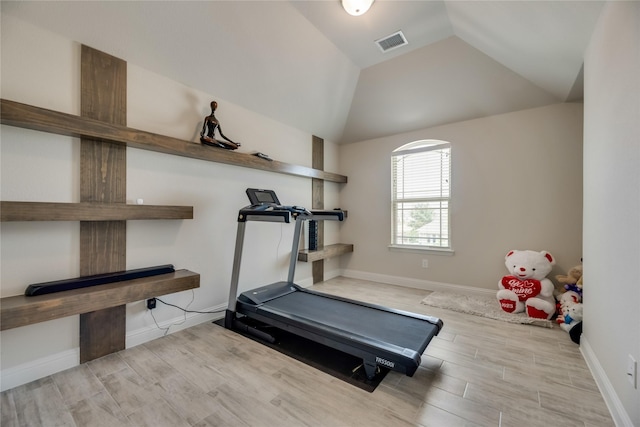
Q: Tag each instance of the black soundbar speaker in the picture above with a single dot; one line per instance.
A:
(94, 280)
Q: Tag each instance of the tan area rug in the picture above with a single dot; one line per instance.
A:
(484, 306)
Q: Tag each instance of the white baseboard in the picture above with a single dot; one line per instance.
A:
(49, 365)
(426, 285)
(178, 323)
(328, 275)
(305, 283)
(39, 368)
(308, 282)
(618, 413)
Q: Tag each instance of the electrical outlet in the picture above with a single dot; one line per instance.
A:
(151, 303)
(425, 263)
(632, 368)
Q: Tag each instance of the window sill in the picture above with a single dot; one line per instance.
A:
(422, 250)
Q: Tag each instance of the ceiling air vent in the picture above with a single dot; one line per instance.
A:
(393, 41)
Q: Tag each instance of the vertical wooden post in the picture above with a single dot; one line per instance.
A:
(317, 194)
(102, 180)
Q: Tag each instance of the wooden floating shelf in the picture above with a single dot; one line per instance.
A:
(329, 251)
(45, 211)
(29, 117)
(22, 310)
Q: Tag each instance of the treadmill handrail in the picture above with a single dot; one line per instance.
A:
(276, 215)
(320, 215)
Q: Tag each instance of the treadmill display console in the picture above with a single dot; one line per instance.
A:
(262, 197)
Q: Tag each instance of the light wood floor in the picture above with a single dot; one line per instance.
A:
(477, 372)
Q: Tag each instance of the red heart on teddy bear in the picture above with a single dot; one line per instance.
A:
(525, 289)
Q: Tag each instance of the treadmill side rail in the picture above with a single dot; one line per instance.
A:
(266, 293)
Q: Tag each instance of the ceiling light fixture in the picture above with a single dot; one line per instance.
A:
(356, 7)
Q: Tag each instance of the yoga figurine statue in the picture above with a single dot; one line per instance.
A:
(208, 137)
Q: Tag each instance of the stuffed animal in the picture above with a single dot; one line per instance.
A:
(572, 316)
(570, 303)
(573, 322)
(527, 287)
(565, 302)
(572, 281)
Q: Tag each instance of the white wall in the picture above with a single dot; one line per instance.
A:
(262, 55)
(42, 69)
(516, 184)
(443, 82)
(612, 205)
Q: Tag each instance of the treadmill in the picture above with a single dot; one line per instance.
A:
(380, 336)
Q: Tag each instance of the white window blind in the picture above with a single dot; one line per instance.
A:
(421, 178)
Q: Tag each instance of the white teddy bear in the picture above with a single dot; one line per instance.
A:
(572, 316)
(527, 288)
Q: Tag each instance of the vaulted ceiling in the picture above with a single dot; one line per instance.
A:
(312, 66)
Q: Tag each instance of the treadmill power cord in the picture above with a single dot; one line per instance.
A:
(191, 311)
(166, 330)
(185, 310)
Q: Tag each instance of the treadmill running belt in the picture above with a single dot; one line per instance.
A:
(399, 330)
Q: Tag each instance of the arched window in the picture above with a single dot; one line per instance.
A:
(421, 193)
